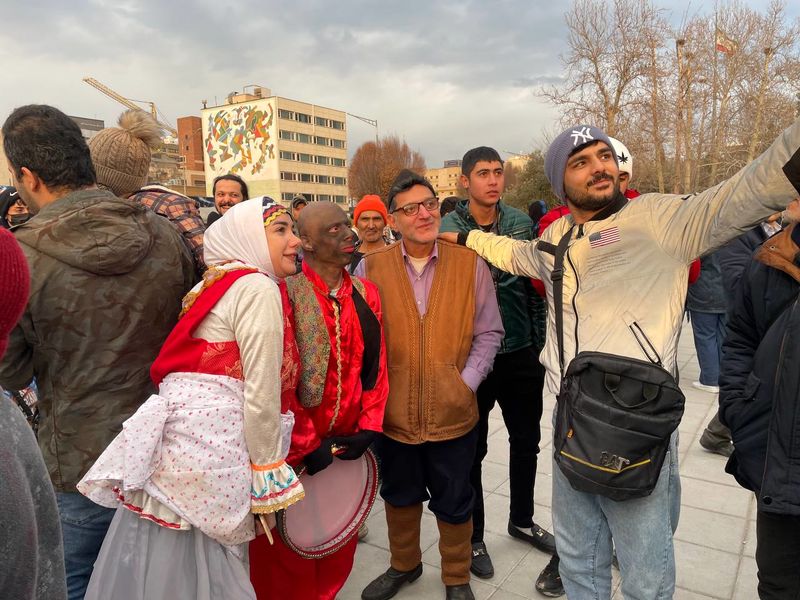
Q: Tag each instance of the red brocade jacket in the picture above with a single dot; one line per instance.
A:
(331, 397)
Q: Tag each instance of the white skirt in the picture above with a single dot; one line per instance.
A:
(140, 560)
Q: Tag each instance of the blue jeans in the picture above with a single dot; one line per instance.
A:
(641, 529)
(83, 525)
(709, 333)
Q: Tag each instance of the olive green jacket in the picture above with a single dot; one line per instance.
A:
(107, 279)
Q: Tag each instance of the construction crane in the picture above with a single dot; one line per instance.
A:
(130, 103)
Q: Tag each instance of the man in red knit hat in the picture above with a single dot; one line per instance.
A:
(369, 218)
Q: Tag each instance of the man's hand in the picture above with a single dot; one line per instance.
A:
(449, 236)
(354, 445)
(320, 458)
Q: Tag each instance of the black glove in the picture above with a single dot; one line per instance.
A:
(320, 458)
(354, 445)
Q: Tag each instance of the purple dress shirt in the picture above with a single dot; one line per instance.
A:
(487, 326)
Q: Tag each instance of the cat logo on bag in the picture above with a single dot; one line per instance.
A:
(612, 461)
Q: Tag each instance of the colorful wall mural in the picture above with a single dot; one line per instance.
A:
(241, 139)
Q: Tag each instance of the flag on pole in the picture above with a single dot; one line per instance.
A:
(725, 44)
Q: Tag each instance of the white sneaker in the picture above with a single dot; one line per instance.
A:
(711, 389)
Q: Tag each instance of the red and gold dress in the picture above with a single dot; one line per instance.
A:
(332, 400)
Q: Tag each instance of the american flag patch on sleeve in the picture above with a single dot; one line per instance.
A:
(604, 237)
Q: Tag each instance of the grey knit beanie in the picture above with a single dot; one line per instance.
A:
(567, 143)
(121, 155)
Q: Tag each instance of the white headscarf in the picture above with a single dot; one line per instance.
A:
(239, 234)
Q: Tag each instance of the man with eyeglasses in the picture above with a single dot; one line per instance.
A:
(443, 329)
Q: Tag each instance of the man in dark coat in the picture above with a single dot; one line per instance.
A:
(107, 279)
(759, 395)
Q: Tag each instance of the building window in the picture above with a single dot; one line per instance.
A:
(320, 141)
(306, 177)
(323, 197)
(286, 135)
(285, 114)
(287, 155)
(287, 196)
(321, 121)
(340, 199)
(336, 124)
(323, 179)
(323, 160)
(306, 158)
(338, 162)
(339, 181)
(302, 117)
(303, 137)
(337, 143)
(288, 176)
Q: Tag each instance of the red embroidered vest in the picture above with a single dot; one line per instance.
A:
(183, 353)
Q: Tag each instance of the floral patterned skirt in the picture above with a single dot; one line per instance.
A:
(181, 460)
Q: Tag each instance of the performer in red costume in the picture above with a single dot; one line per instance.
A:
(341, 396)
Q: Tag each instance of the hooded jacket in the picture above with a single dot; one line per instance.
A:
(625, 271)
(107, 279)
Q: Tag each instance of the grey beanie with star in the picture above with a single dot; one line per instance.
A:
(565, 145)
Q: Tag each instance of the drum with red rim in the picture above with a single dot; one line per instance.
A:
(337, 502)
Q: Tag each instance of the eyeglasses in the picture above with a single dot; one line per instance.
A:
(409, 210)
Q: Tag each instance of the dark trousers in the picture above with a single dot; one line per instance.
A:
(776, 555)
(435, 471)
(515, 383)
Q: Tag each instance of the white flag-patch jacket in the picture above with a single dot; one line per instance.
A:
(627, 269)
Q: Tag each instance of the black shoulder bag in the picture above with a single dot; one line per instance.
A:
(615, 414)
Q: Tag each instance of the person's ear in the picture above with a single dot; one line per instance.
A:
(392, 221)
(464, 181)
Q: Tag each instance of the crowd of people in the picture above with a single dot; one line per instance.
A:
(197, 380)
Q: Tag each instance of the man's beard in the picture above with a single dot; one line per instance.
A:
(586, 202)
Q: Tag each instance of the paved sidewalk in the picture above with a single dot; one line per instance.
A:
(714, 544)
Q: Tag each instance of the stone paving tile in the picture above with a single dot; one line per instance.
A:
(715, 497)
(747, 580)
(704, 570)
(711, 529)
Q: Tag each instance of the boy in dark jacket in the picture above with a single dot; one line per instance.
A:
(517, 377)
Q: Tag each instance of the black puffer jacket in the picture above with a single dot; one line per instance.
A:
(760, 378)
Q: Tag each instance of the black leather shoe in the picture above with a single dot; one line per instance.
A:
(549, 581)
(388, 584)
(459, 592)
(481, 562)
(539, 538)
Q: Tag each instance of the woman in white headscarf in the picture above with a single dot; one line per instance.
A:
(199, 459)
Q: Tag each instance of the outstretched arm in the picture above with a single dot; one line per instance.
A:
(513, 256)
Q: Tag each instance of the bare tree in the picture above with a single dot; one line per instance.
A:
(691, 111)
(376, 164)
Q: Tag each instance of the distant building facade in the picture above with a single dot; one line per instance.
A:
(5, 176)
(445, 179)
(190, 149)
(280, 147)
(89, 127)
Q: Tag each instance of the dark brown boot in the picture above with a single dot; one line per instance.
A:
(404, 524)
(455, 547)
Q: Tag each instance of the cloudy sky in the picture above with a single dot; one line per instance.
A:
(445, 75)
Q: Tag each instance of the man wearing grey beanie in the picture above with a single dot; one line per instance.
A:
(625, 271)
